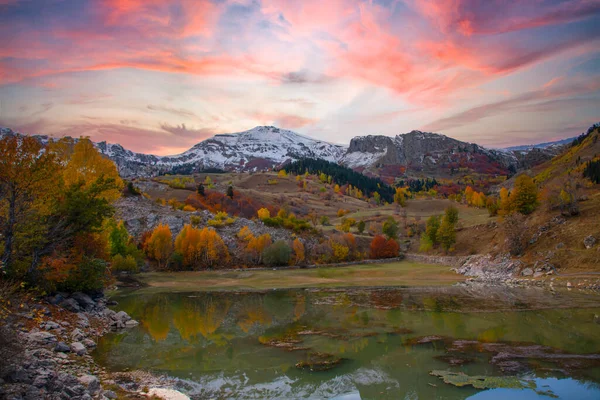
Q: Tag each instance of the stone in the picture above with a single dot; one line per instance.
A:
(77, 334)
(109, 394)
(82, 320)
(56, 299)
(167, 394)
(589, 242)
(84, 300)
(569, 284)
(42, 338)
(131, 323)
(62, 347)
(560, 245)
(538, 274)
(122, 316)
(71, 305)
(527, 272)
(90, 383)
(88, 343)
(78, 348)
(50, 325)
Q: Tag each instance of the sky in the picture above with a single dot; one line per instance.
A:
(159, 76)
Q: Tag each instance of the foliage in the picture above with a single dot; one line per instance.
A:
(221, 219)
(277, 254)
(51, 200)
(324, 220)
(451, 213)
(514, 229)
(288, 221)
(524, 196)
(361, 226)
(256, 245)
(214, 201)
(200, 247)
(263, 214)
(418, 185)
(431, 229)
(200, 190)
(124, 264)
(159, 245)
(400, 196)
(230, 192)
(390, 228)
(492, 204)
(299, 252)
(592, 171)
(425, 243)
(446, 234)
(332, 172)
(382, 248)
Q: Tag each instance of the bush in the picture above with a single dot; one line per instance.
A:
(125, 264)
(277, 254)
(381, 248)
(515, 230)
(90, 276)
(426, 243)
(390, 228)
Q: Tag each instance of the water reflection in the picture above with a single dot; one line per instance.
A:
(379, 343)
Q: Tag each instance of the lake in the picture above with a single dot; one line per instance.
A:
(365, 343)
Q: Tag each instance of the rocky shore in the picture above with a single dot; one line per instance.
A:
(52, 341)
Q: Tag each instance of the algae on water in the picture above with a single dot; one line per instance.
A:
(460, 379)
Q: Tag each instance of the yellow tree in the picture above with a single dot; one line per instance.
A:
(504, 202)
(263, 214)
(299, 254)
(159, 245)
(29, 183)
(524, 197)
(256, 245)
(84, 163)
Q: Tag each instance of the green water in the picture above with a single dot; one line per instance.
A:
(254, 344)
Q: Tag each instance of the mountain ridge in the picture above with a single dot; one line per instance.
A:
(264, 147)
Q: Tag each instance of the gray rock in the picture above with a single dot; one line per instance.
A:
(589, 242)
(561, 245)
(78, 348)
(50, 325)
(131, 323)
(77, 334)
(62, 347)
(122, 316)
(56, 299)
(90, 382)
(527, 272)
(109, 394)
(84, 300)
(42, 338)
(538, 274)
(88, 343)
(82, 320)
(71, 305)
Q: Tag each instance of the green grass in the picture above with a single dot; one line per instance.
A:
(402, 273)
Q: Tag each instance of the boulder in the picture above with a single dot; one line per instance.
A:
(42, 338)
(77, 334)
(122, 316)
(90, 383)
(131, 323)
(84, 300)
(49, 325)
(62, 347)
(78, 348)
(82, 321)
(527, 272)
(88, 343)
(71, 305)
(589, 242)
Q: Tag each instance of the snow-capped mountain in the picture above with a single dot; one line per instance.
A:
(256, 149)
(266, 147)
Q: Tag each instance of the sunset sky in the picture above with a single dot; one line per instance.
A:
(159, 76)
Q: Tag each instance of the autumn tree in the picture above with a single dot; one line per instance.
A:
(446, 234)
(390, 228)
(515, 230)
(361, 226)
(299, 252)
(400, 197)
(451, 213)
(504, 205)
(160, 245)
(263, 214)
(256, 246)
(432, 226)
(201, 247)
(524, 196)
(382, 248)
(29, 181)
(200, 190)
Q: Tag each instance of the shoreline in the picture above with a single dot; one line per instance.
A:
(54, 338)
